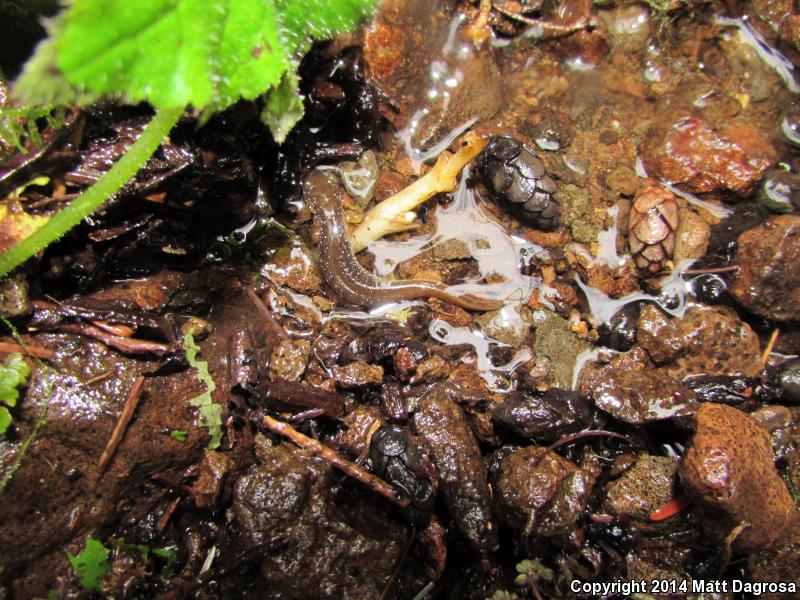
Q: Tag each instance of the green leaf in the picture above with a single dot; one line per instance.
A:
(178, 434)
(92, 564)
(283, 108)
(320, 19)
(13, 374)
(210, 411)
(169, 52)
(5, 419)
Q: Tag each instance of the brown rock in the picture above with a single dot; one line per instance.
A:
(691, 238)
(295, 268)
(768, 281)
(635, 394)
(702, 159)
(647, 486)
(357, 374)
(288, 360)
(657, 334)
(531, 487)
(717, 343)
(358, 424)
(443, 430)
(729, 471)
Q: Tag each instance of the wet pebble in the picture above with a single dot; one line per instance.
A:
(729, 471)
(768, 280)
(289, 359)
(700, 158)
(657, 334)
(692, 235)
(780, 191)
(294, 267)
(544, 417)
(540, 493)
(789, 380)
(620, 331)
(717, 342)
(358, 374)
(631, 392)
(647, 486)
(444, 432)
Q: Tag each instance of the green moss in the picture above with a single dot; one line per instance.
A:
(554, 340)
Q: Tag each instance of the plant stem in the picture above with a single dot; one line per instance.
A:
(122, 171)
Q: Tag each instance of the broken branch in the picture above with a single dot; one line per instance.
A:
(394, 214)
(319, 450)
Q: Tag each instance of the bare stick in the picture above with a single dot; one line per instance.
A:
(37, 351)
(768, 350)
(131, 402)
(315, 448)
(394, 214)
(123, 344)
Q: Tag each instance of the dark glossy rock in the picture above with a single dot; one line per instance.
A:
(544, 417)
(768, 280)
(444, 432)
(541, 493)
(311, 543)
(730, 472)
(789, 380)
(620, 332)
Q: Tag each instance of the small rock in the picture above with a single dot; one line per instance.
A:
(700, 158)
(452, 249)
(657, 334)
(623, 180)
(443, 430)
(635, 394)
(691, 238)
(729, 470)
(717, 343)
(780, 191)
(498, 326)
(357, 425)
(544, 417)
(768, 280)
(295, 268)
(532, 486)
(357, 374)
(15, 300)
(647, 486)
(289, 359)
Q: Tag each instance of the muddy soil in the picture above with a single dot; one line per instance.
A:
(581, 364)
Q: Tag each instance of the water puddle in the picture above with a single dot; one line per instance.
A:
(672, 297)
(443, 332)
